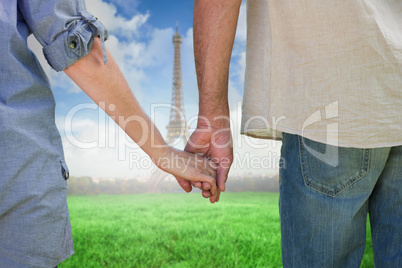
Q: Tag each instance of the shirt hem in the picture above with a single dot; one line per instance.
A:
(64, 257)
(276, 134)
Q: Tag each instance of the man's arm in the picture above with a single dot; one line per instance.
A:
(215, 25)
(105, 84)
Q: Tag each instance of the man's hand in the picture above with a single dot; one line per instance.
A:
(213, 140)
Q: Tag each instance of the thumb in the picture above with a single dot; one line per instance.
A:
(221, 177)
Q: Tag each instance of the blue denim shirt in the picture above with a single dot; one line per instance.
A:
(34, 222)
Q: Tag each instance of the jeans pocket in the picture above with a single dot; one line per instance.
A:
(330, 169)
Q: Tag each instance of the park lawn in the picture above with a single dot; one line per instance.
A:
(177, 230)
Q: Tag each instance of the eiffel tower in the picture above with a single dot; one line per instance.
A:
(177, 127)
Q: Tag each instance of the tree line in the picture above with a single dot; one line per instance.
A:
(88, 186)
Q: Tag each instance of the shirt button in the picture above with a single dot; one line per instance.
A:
(66, 175)
(73, 44)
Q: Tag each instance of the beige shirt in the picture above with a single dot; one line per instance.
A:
(328, 70)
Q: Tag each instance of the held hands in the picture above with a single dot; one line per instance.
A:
(190, 167)
(215, 143)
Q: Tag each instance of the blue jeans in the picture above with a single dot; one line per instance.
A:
(326, 193)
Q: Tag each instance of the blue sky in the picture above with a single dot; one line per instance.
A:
(162, 13)
(141, 43)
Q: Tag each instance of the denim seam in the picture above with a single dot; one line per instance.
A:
(308, 181)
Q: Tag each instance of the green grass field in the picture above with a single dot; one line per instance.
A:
(177, 230)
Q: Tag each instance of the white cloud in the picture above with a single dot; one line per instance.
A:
(129, 7)
(107, 14)
(99, 148)
(242, 67)
(190, 86)
(159, 49)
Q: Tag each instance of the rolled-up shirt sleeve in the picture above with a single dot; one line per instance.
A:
(64, 28)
